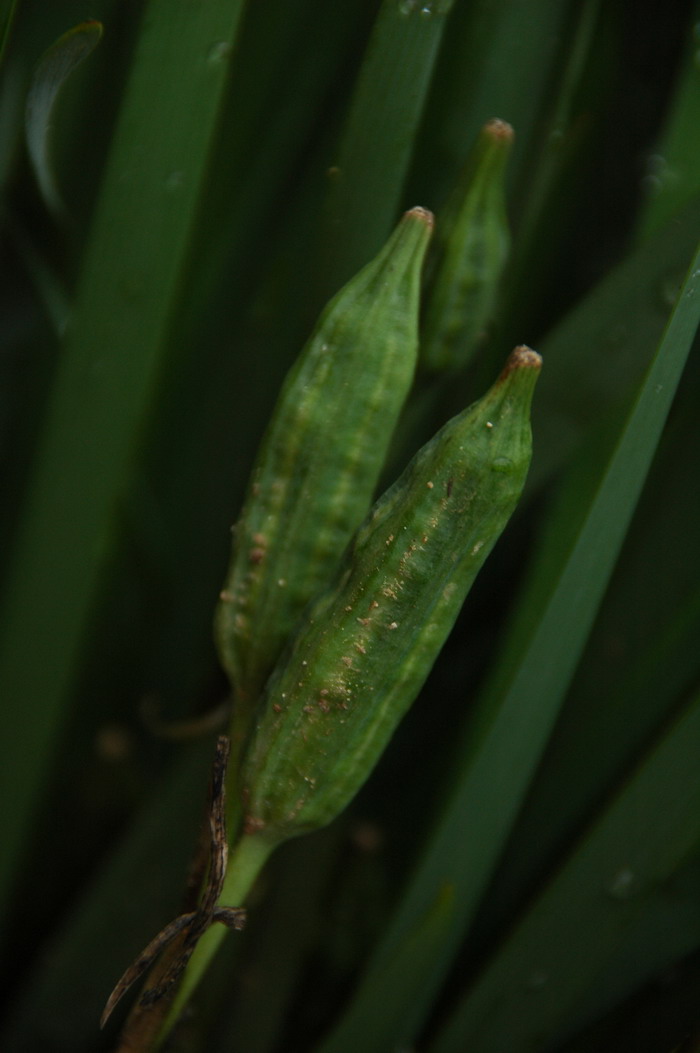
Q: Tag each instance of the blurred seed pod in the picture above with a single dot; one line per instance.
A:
(469, 257)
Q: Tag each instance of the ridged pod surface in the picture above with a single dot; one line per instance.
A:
(471, 253)
(321, 457)
(365, 647)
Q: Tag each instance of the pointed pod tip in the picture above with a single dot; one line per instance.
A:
(500, 130)
(522, 357)
(424, 214)
(89, 33)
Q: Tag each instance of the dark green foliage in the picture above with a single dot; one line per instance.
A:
(521, 870)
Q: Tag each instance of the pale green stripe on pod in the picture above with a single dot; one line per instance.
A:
(462, 297)
(366, 646)
(321, 457)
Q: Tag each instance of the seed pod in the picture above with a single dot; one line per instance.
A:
(462, 297)
(321, 457)
(365, 647)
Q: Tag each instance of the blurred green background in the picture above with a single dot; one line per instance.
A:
(521, 872)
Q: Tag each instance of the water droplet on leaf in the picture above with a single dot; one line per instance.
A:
(669, 291)
(175, 180)
(218, 52)
(622, 884)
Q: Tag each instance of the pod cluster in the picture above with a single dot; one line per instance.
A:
(365, 647)
(333, 611)
(321, 456)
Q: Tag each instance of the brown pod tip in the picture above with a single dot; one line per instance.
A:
(522, 357)
(499, 129)
(422, 213)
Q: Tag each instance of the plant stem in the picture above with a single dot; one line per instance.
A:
(246, 862)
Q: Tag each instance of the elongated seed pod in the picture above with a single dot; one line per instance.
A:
(366, 646)
(461, 298)
(321, 457)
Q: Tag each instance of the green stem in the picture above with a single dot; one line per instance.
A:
(246, 862)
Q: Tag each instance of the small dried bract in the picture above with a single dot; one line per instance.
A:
(194, 923)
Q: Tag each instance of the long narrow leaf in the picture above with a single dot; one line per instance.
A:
(597, 354)
(497, 60)
(615, 706)
(8, 9)
(673, 176)
(512, 727)
(378, 139)
(611, 886)
(662, 933)
(113, 351)
(139, 890)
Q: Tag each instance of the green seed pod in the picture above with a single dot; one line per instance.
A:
(321, 457)
(365, 647)
(469, 264)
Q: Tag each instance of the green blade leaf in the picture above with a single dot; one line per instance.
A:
(593, 355)
(495, 60)
(60, 1004)
(590, 910)
(673, 176)
(624, 691)
(114, 349)
(664, 929)
(52, 71)
(8, 9)
(513, 723)
(379, 134)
